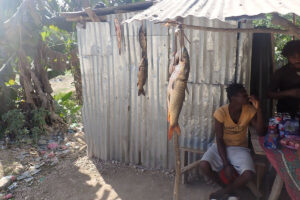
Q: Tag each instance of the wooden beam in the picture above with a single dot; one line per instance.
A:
(190, 166)
(276, 188)
(91, 14)
(191, 150)
(111, 10)
(228, 30)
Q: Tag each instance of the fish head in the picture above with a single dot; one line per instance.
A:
(185, 64)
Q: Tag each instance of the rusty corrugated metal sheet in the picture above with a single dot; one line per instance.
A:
(119, 125)
(215, 9)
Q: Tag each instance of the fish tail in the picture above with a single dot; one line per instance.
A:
(170, 133)
(141, 91)
(172, 129)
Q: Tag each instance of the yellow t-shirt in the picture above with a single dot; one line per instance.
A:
(235, 134)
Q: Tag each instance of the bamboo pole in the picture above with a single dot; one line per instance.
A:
(177, 164)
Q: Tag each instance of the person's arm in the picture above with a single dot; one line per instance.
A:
(295, 93)
(274, 92)
(220, 142)
(222, 149)
(258, 119)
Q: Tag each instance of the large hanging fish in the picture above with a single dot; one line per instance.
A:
(176, 92)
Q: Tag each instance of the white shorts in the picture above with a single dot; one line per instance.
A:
(239, 158)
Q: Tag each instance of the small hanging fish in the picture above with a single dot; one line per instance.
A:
(143, 40)
(142, 76)
(119, 34)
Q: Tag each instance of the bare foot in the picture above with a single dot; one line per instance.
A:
(219, 195)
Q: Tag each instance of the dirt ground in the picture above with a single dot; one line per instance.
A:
(77, 177)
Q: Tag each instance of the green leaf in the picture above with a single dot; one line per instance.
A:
(43, 34)
(66, 96)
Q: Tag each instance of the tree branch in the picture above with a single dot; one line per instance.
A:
(227, 30)
(292, 28)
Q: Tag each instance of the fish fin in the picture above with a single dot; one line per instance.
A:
(187, 90)
(141, 91)
(177, 129)
(168, 116)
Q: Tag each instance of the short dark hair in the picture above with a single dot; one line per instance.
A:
(233, 89)
(290, 48)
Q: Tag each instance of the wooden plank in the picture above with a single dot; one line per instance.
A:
(185, 163)
(177, 164)
(258, 150)
(191, 150)
(190, 166)
(276, 188)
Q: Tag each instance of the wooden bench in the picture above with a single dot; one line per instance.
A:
(259, 161)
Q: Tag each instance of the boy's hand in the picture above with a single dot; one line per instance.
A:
(254, 102)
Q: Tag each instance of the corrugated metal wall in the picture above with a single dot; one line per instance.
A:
(119, 125)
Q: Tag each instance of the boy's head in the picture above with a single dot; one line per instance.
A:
(291, 51)
(237, 93)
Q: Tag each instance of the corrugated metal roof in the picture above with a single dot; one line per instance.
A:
(122, 126)
(216, 9)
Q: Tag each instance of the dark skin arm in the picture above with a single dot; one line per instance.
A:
(222, 149)
(258, 120)
(295, 93)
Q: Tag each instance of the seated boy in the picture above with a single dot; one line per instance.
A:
(230, 152)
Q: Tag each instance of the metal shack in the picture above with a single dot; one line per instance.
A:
(119, 124)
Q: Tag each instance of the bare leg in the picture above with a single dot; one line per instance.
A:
(242, 180)
(207, 170)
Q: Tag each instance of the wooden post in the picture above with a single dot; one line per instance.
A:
(177, 165)
(276, 188)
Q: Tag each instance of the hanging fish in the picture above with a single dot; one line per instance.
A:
(119, 34)
(176, 92)
(173, 64)
(143, 40)
(142, 75)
